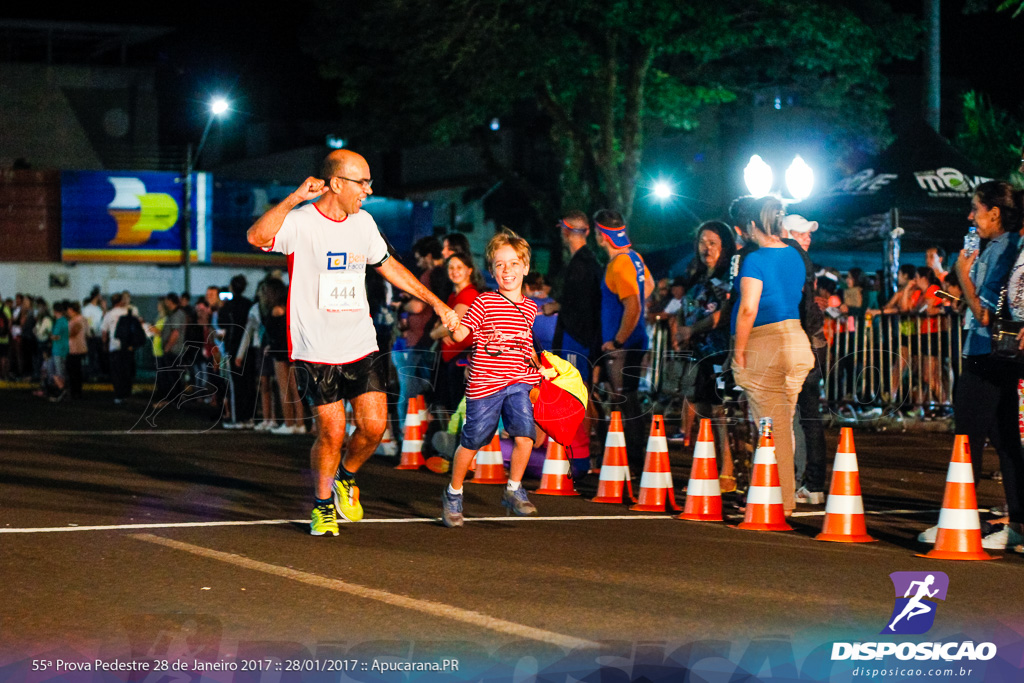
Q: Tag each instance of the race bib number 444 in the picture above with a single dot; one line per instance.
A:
(342, 292)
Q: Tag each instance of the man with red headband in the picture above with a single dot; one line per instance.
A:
(624, 290)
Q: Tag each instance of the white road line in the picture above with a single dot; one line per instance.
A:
(436, 609)
(404, 520)
(264, 522)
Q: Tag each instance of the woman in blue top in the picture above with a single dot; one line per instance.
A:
(771, 352)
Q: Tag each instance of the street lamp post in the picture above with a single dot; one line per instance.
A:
(218, 107)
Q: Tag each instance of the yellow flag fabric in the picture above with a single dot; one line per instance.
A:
(568, 378)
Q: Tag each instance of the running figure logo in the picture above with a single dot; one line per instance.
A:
(912, 614)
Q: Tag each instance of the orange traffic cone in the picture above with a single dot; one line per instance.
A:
(412, 444)
(764, 497)
(656, 494)
(421, 401)
(614, 467)
(959, 535)
(490, 466)
(703, 495)
(844, 510)
(555, 478)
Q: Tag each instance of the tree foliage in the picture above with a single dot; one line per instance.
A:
(596, 78)
(991, 137)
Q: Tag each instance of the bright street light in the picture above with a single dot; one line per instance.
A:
(758, 176)
(799, 179)
(662, 190)
(219, 106)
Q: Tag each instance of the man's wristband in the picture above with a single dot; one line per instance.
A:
(616, 343)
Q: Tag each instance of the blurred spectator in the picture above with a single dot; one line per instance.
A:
(578, 328)
(467, 284)
(78, 347)
(935, 258)
(242, 377)
(5, 341)
(172, 342)
(413, 360)
(59, 349)
(544, 325)
(275, 296)
(41, 327)
(703, 329)
(122, 360)
(93, 309)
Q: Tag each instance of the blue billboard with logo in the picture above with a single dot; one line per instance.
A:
(132, 216)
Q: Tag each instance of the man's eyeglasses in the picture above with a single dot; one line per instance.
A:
(367, 183)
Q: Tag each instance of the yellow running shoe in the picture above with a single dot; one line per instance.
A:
(324, 521)
(346, 499)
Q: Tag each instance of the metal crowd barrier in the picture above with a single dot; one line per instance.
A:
(903, 361)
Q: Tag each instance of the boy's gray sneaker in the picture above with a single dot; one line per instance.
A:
(517, 502)
(451, 508)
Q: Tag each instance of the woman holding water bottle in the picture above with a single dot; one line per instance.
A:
(985, 397)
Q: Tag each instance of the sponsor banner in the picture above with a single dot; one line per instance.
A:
(132, 216)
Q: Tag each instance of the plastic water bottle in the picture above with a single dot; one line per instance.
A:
(972, 242)
(765, 426)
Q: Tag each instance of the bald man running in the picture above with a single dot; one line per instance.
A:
(329, 243)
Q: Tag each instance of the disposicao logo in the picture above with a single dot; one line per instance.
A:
(139, 213)
(914, 614)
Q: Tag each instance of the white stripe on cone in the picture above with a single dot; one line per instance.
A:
(765, 455)
(764, 495)
(704, 449)
(844, 505)
(959, 519)
(554, 466)
(411, 446)
(960, 473)
(703, 487)
(616, 439)
(656, 480)
(845, 462)
(614, 473)
(489, 458)
(657, 444)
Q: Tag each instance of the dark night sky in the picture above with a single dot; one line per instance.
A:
(255, 53)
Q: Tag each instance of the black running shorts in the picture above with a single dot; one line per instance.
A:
(323, 384)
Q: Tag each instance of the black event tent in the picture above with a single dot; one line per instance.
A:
(920, 180)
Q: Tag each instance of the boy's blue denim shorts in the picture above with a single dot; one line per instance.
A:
(512, 404)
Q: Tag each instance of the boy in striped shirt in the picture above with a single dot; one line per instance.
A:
(502, 371)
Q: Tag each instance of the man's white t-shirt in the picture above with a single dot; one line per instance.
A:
(328, 316)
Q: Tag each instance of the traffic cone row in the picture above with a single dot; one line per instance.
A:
(614, 478)
(959, 534)
(959, 528)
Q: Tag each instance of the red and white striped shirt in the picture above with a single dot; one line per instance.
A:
(502, 344)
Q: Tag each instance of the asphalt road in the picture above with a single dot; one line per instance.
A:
(182, 541)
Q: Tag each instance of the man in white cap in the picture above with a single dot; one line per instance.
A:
(799, 229)
(808, 422)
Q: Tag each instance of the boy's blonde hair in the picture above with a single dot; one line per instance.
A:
(507, 237)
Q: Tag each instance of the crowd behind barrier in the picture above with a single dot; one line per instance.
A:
(881, 364)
